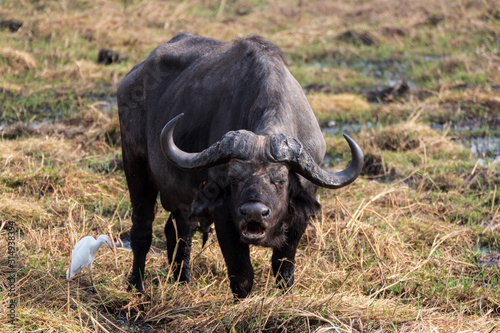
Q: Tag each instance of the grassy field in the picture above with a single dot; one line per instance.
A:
(412, 245)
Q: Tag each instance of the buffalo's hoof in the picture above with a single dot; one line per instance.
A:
(285, 281)
(240, 294)
(242, 289)
(134, 283)
(182, 276)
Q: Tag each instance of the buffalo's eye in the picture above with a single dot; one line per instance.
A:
(234, 179)
(238, 171)
(279, 182)
(278, 176)
(235, 176)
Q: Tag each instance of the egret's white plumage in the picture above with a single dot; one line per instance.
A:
(84, 253)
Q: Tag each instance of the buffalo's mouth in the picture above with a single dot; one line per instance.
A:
(253, 232)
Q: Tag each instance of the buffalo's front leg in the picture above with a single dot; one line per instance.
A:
(179, 236)
(237, 256)
(283, 259)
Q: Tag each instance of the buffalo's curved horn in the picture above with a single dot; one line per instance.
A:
(235, 144)
(290, 150)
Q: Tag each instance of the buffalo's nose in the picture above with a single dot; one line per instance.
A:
(254, 211)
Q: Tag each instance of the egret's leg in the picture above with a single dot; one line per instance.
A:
(91, 280)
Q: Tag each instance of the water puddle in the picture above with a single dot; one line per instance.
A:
(123, 244)
(70, 128)
(393, 78)
(380, 69)
(389, 70)
(486, 256)
(130, 326)
(333, 128)
(482, 139)
(485, 146)
(106, 105)
(476, 136)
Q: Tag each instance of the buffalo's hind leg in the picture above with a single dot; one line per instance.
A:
(179, 234)
(143, 194)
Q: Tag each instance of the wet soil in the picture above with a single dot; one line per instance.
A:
(131, 326)
(486, 256)
(481, 136)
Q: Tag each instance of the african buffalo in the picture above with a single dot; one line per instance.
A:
(245, 155)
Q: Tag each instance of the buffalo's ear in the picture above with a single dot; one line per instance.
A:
(209, 197)
(302, 202)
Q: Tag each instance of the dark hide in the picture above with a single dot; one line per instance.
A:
(220, 87)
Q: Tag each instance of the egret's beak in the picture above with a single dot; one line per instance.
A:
(109, 246)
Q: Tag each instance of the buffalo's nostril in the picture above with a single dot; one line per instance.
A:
(242, 211)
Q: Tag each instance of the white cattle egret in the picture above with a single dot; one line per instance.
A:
(84, 253)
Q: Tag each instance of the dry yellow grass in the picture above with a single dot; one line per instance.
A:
(329, 292)
(11, 87)
(17, 58)
(337, 105)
